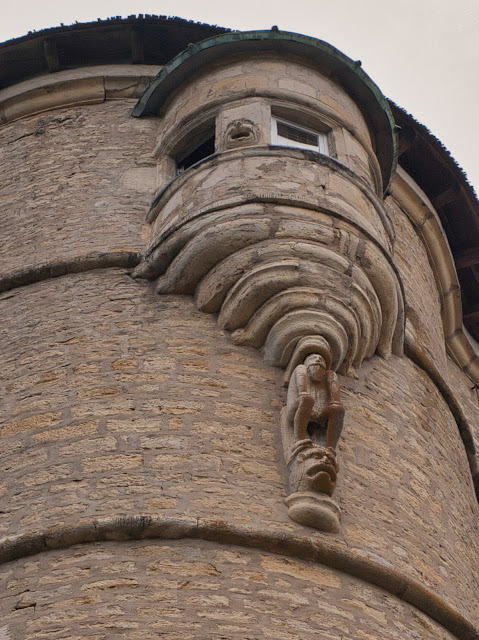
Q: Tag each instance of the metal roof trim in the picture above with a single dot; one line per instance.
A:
(348, 72)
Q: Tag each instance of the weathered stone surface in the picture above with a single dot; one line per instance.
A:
(279, 275)
(91, 190)
(263, 174)
(189, 590)
(205, 440)
(125, 414)
(424, 307)
(276, 81)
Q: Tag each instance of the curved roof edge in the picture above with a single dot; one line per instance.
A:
(141, 18)
(348, 73)
(432, 167)
(435, 143)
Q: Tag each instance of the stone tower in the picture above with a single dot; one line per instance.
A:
(238, 398)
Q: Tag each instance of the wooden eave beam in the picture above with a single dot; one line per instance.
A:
(50, 51)
(467, 258)
(472, 316)
(446, 197)
(475, 273)
(137, 47)
(407, 137)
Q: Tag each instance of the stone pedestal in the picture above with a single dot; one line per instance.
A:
(314, 510)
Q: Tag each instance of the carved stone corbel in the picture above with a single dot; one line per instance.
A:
(311, 424)
(294, 277)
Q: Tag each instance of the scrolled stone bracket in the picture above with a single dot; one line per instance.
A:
(287, 281)
(312, 289)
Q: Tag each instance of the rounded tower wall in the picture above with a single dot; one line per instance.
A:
(144, 474)
(186, 590)
(256, 89)
(93, 177)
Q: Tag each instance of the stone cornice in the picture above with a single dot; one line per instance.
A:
(57, 268)
(88, 85)
(416, 205)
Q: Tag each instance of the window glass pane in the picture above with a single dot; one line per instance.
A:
(298, 135)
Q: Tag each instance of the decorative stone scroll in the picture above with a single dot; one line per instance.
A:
(311, 284)
(276, 275)
(311, 423)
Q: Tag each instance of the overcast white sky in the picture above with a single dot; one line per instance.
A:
(423, 54)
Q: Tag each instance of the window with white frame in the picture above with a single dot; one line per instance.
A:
(287, 134)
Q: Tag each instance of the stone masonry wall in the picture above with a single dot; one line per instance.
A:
(185, 590)
(422, 297)
(118, 402)
(406, 489)
(94, 179)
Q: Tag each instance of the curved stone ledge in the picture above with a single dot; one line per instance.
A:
(419, 357)
(54, 269)
(239, 176)
(326, 552)
(423, 216)
(90, 85)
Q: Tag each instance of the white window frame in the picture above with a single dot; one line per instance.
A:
(276, 139)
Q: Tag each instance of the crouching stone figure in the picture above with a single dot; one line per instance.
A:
(311, 426)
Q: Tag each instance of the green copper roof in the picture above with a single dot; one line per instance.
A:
(345, 71)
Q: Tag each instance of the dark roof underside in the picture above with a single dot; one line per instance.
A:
(435, 171)
(145, 40)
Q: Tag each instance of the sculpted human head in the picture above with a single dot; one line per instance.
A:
(312, 468)
(316, 367)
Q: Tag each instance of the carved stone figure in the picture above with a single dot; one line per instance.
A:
(311, 423)
(241, 133)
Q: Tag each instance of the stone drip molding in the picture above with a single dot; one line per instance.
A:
(425, 220)
(460, 346)
(327, 552)
(80, 264)
(88, 85)
(419, 357)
